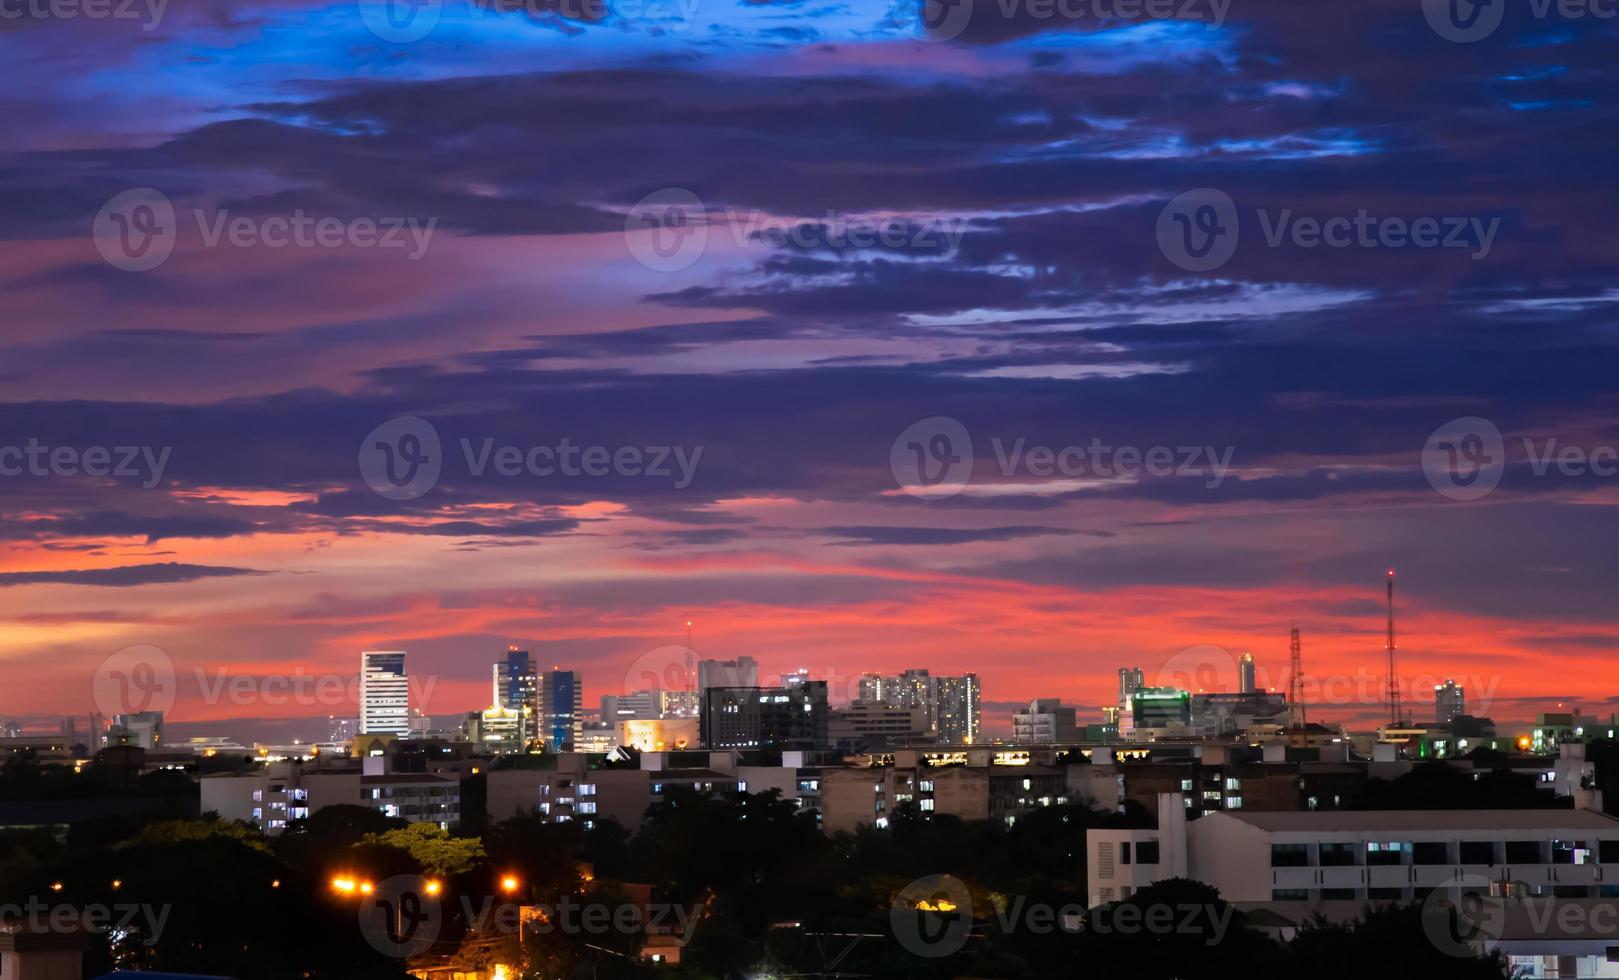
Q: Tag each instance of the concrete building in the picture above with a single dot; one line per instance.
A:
(1357, 856)
(874, 724)
(766, 717)
(142, 729)
(658, 734)
(1045, 721)
(516, 689)
(1450, 701)
(1246, 681)
(741, 672)
(384, 693)
(283, 792)
(972, 785)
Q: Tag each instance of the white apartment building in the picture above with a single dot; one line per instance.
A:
(1355, 856)
(279, 793)
(384, 693)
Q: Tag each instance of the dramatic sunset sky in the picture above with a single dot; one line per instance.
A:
(1053, 145)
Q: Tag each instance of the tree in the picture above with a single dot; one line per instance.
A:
(432, 847)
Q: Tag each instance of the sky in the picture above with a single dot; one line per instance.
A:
(1027, 338)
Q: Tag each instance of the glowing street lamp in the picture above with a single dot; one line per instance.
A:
(508, 884)
(343, 885)
(432, 887)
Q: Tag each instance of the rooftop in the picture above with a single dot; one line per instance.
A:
(1408, 820)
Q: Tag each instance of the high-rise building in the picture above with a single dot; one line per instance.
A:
(766, 717)
(384, 693)
(955, 709)
(143, 729)
(949, 705)
(1449, 700)
(1045, 721)
(741, 672)
(1131, 680)
(517, 689)
(340, 730)
(1245, 674)
(562, 715)
(796, 678)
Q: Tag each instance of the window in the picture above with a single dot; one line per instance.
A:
(1147, 852)
(1337, 855)
(1430, 852)
(1608, 851)
(1337, 894)
(1524, 852)
(1186, 786)
(588, 806)
(1385, 852)
(1478, 852)
(1124, 853)
(925, 804)
(1289, 895)
(1384, 894)
(1289, 855)
(1570, 852)
(587, 789)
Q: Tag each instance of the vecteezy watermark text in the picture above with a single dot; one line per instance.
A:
(1465, 458)
(144, 463)
(1200, 229)
(403, 458)
(122, 918)
(946, 20)
(148, 12)
(933, 458)
(137, 230)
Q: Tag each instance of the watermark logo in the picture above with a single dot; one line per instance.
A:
(400, 21)
(1464, 21)
(932, 458)
(932, 20)
(1204, 667)
(401, 459)
(122, 922)
(667, 230)
(1198, 230)
(1462, 919)
(671, 667)
(932, 916)
(135, 230)
(135, 679)
(399, 918)
(1464, 458)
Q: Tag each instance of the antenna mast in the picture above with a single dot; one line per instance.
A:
(1394, 683)
(1295, 687)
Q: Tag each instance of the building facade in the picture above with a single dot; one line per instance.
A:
(384, 693)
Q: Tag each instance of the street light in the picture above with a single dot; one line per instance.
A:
(343, 885)
(433, 887)
(508, 884)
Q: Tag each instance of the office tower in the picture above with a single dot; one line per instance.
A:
(796, 678)
(1449, 700)
(562, 700)
(1159, 711)
(913, 689)
(1245, 674)
(766, 717)
(98, 733)
(517, 688)
(955, 709)
(1131, 680)
(678, 704)
(384, 693)
(143, 729)
(1045, 721)
(870, 688)
(340, 730)
(741, 672)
